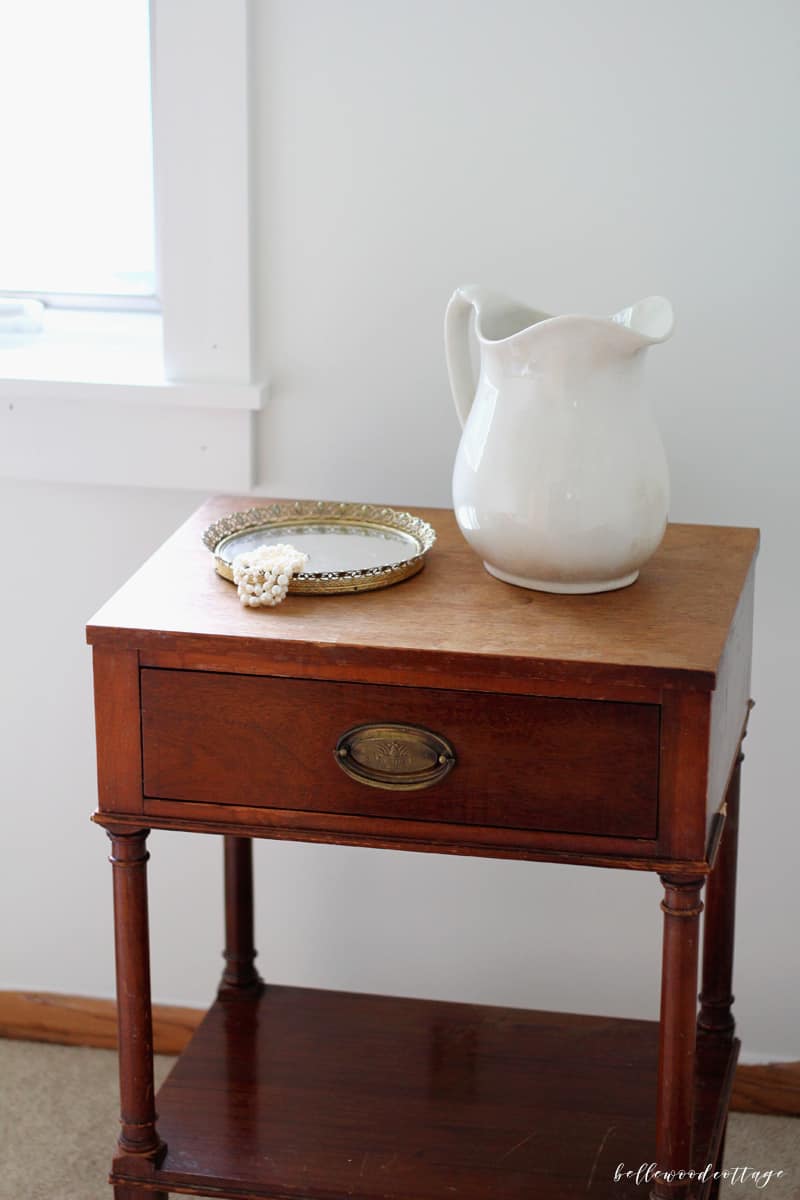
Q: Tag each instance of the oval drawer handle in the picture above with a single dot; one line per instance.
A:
(400, 758)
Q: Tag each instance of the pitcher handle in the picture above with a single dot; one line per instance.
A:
(456, 345)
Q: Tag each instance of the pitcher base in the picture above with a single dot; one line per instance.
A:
(565, 588)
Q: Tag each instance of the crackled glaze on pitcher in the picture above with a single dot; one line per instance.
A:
(560, 481)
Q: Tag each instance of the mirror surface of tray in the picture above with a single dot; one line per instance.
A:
(351, 547)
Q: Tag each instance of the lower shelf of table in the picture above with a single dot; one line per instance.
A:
(327, 1095)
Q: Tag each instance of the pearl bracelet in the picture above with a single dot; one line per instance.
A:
(262, 576)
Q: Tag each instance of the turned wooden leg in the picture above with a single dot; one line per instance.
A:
(138, 1136)
(719, 920)
(716, 996)
(240, 973)
(676, 1062)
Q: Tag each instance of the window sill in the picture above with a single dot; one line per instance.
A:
(87, 402)
(108, 357)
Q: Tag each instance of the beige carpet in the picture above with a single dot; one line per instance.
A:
(58, 1124)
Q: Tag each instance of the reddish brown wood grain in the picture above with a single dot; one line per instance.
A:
(685, 723)
(668, 629)
(87, 1021)
(716, 998)
(464, 673)
(117, 729)
(769, 1088)
(432, 837)
(521, 762)
(772, 1088)
(587, 729)
(675, 1150)
(138, 1137)
(240, 972)
(729, 702)
(135, 1193)
(329, 1094)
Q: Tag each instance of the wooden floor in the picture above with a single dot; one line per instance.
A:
(331, 1095)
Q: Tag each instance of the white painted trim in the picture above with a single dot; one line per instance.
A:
(87, 440)
(105, 302)
(110, 357)
(245, 396)
(201, 148)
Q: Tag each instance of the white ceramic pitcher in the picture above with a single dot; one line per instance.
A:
(560, 481)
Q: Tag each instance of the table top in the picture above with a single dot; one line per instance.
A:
(668, 629)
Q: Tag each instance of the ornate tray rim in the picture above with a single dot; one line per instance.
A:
(329, 512)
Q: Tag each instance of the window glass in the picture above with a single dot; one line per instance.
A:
(76, 173)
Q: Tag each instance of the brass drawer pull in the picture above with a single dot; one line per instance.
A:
(400, 758)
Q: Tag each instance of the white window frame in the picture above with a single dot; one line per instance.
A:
(204, 373)
(201, 119)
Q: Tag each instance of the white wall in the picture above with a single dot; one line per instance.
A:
(578, 155)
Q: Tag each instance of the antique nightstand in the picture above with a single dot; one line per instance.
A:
(599, 730)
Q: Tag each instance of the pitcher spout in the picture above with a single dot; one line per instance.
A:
(649, 321)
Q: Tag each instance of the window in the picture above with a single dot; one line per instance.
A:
(152, 398)
(76, 207)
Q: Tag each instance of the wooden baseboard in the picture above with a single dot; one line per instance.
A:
(772, 1088)
(83, 1021)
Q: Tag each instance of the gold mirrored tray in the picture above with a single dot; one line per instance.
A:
(350, 547)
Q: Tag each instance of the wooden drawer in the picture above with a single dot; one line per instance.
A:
(522, 762)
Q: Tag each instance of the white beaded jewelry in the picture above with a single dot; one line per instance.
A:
(262, 576)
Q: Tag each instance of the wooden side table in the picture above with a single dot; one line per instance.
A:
(599, 730)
